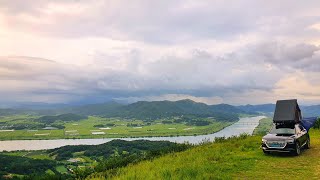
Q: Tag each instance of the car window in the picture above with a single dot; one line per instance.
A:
(282, 130)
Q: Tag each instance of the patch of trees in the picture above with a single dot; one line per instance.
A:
(108, 149)
(98, 125)
(136, 152)
(104, 125)
(21, 126)
(192, 120)
(166, 122)
(228, 117)
(23, 165)
(133, 125)
(109, 156)
(317, 124)
(62, 117)
(58, 126)
(198, 123)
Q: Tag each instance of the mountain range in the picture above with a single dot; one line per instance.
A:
(159, 109)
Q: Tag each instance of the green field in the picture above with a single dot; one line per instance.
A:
(236, 158)
(263, 127)
(119, 128)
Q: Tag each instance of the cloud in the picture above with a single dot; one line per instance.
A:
(162, 21)
(209, 51)
(254, 69)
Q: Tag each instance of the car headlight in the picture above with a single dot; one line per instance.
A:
(290, 141)
(264, 140)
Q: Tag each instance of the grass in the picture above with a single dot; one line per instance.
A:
(263, 127)
(61, 169)
(84, 129)
(236, 158)
(41, 154)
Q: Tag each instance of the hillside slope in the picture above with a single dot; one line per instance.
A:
(237, 158)
(166, 109)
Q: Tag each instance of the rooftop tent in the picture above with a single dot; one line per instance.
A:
(287, 111)
(308, 122)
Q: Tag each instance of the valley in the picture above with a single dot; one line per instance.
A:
(113, 120)
(99, 127)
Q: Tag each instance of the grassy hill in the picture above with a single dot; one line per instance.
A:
(235, 158)
(76, 162)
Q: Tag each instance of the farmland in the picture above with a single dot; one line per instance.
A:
(100, 127)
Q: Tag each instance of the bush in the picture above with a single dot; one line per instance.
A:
(166, 122)
(317, 124)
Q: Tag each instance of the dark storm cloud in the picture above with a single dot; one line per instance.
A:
(297, 56)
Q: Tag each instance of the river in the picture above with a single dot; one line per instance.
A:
(244, 125)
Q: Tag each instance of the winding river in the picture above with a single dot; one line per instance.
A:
(244, 125)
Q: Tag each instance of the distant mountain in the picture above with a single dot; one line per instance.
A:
(157, 109)
(10, 111)
(307, 111)
(227, 108)
(94, 109)
(39, 106)
(164, 109)
(310, 111)
(90, 109)
(262, 108)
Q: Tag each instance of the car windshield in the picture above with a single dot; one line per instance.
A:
(281, 130)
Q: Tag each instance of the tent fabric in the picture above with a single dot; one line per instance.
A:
(287, 111)
(308, 122)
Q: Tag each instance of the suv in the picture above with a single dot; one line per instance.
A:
(283, 138)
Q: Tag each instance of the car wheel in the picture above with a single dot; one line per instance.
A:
(307, 146)
(297, 150)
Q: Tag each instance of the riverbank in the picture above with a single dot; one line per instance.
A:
(103, 134)
(244, 125)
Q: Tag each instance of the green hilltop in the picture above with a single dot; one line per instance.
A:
(233, 158)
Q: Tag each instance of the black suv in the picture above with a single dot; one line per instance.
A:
(286, 139)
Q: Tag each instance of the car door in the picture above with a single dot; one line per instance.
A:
(300, 134)
(304, 134)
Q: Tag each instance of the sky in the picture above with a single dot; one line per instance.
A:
(215, 51)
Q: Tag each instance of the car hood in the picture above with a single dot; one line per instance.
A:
(275, 137)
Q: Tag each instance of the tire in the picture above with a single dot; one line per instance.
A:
(266, 152)
(297, 151)
(307, 146)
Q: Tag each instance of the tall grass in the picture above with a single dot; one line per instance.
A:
(226, 158)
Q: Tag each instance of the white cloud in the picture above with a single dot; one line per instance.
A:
(209, 51)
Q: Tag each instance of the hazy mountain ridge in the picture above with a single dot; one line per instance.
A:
(307, 111)
(160, 109)
(165, 109)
